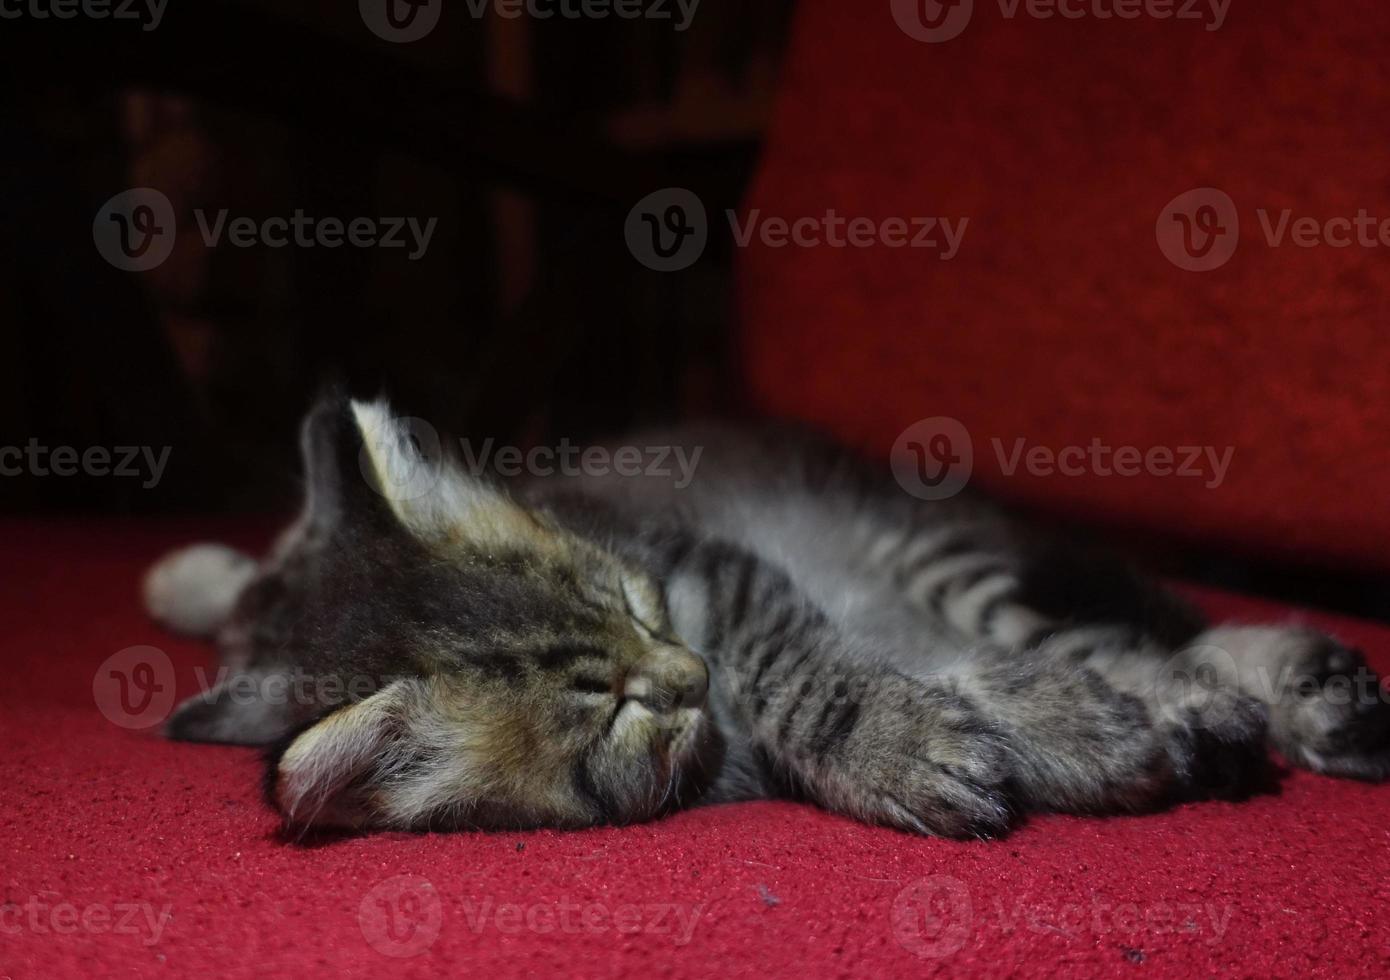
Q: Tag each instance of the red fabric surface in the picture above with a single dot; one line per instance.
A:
(97, 816)
(1060, 320)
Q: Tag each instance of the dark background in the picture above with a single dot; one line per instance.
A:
(527, 319)
(529, 140)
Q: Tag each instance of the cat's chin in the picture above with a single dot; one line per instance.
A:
(696, 752)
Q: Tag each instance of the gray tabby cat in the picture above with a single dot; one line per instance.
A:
(426, 648)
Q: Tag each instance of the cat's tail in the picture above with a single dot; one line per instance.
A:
(194, 589)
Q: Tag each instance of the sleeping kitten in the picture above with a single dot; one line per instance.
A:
(428, 649)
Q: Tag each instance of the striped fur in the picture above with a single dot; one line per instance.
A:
(596, 649)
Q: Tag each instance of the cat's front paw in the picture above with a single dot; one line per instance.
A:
(917, 791)
(935, 768)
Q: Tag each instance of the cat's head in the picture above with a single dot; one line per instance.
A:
(529, 677)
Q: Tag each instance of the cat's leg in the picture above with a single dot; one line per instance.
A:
(1328, 711)
(194, 589)
(1214, 733)
(825, 719)
(951, 748)
(1094, 620)
(1080, 743)
(989, 582)
(1300, 690)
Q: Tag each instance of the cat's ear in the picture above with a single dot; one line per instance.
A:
(385, 761)
(405, 462)
(313, 780)
(236, 712)
(330, 447)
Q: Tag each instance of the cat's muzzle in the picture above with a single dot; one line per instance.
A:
(668, 679)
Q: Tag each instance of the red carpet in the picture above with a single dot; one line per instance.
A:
(130, 856)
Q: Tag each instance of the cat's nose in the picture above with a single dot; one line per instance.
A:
(668, 678)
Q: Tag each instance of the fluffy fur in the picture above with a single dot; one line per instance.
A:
(427, 648)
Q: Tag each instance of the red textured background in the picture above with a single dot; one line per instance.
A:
(96, 815)
(1060, 320)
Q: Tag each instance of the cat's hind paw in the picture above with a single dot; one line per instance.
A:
(1328, 711)
(1333, 716)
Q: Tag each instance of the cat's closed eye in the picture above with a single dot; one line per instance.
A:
(592, 685)
(644, 605)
